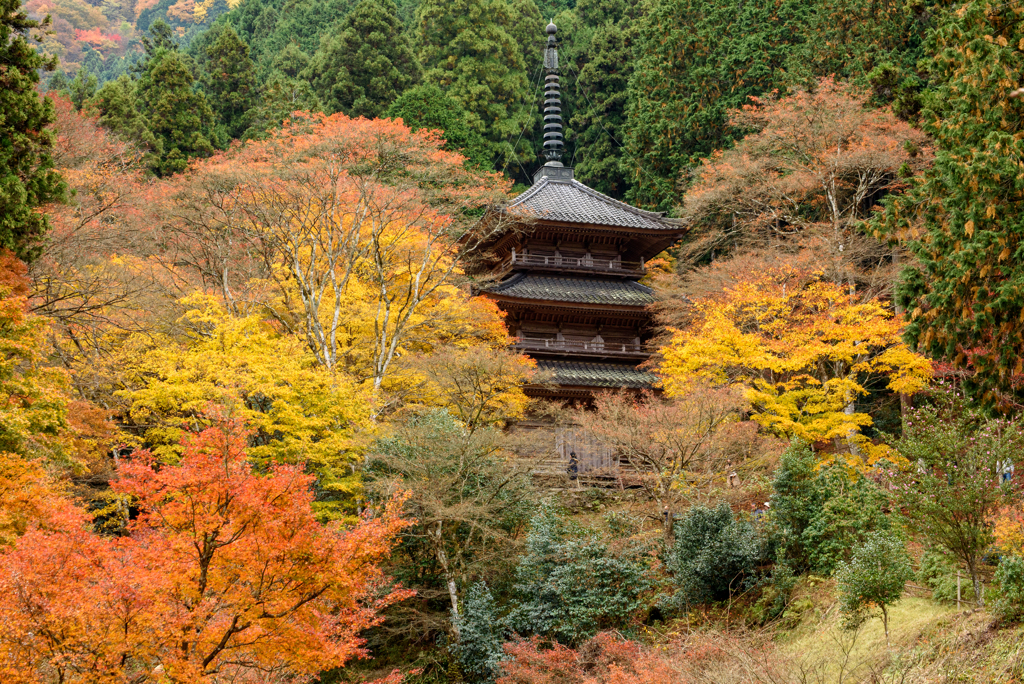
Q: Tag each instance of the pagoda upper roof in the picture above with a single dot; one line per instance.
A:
(569, 201)
(573, 373)
(577, 290)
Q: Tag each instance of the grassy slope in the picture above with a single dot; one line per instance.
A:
(930, 642)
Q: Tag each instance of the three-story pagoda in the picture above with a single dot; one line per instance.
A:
(574, 258)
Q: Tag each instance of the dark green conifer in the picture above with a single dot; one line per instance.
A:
(365, 63)
(117, 104)
(279, 97)
(229, 79)
(82, 88)
(693, 62)
(179, 117)
(602, 66)
(27, 178)
(466, 52)
(283, 92)
(962, 220)
(291, 61)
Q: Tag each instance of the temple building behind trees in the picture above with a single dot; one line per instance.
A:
(572, 259)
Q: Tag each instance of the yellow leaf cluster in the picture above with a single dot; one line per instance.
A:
(801, 350)
(299, 411)
(1009, 530)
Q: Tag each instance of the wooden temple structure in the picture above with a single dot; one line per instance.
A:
(573, 258)
(571, 261)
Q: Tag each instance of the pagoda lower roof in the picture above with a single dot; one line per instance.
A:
(611, 375)
(576, 290)
(573, 202)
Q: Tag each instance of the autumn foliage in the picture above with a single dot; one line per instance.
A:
(1008, 528)
(347, 231)
(605, 659)
(816, 164)
(224, 575)
(802, 349)
(699, 658)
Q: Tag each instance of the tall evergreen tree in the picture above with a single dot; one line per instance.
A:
(283, 92)
(27, 178)
(279, 97)
(291, 61)
(229, 79)
(117, 103)
(27, 175)
(602, 66)
(177, 115)
(427, 106)
(365, 63)
(82, 88)
(695, 60)
(466, 51)
(963, 219)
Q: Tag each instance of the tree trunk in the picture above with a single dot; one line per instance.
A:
(449, 577)
(885, 624)
(976, 583)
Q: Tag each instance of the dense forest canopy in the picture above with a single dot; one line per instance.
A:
(257, 426)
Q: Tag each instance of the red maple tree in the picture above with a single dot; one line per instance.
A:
(224, 575)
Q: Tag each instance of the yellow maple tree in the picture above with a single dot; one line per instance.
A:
(802, 350)
(298, 410)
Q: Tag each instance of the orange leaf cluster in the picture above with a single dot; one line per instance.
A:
(96, 37)
(605, 659)
(225, 576)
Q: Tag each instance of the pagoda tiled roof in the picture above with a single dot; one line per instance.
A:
(597, 374)
(576, 290)
(573, 202)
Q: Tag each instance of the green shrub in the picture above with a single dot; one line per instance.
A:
(481, 635)
(819, 515)
(1010, 578)
(570, 584)
(714, 554)
(875, 576)
(938, 572)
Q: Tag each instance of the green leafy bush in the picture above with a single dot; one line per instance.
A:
(1010, 578)
(874, 576)
(938, 572)
(571, 583)
(714, 554)
(481, 635)
(819, 515)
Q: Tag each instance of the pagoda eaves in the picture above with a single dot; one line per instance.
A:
(572, 259)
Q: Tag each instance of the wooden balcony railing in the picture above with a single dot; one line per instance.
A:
(582, 263)
(610, 347)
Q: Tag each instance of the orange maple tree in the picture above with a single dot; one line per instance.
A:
(225, 576)
(342, 229)
(812, 170)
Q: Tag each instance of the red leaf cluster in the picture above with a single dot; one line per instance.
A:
(225, 575)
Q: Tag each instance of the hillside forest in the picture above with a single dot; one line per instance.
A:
(258, 427)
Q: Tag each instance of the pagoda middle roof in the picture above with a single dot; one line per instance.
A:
(576, 290)
(597, 374)
(573, 202)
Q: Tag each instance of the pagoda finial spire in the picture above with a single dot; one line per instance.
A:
(553, 142)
